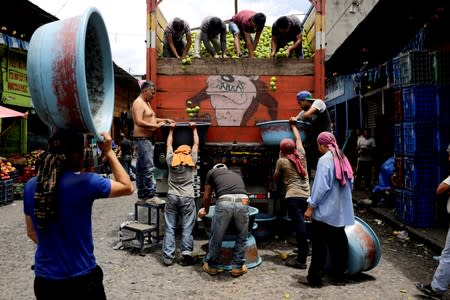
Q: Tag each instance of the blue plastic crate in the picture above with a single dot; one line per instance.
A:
(419, 138)
(443, 105)
(398, 139)
(419, 103)
(416, 68)
(396, 73)
(420, 173)
(6, 191)
(419, 208)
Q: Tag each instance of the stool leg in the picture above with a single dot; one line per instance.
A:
(136, 212)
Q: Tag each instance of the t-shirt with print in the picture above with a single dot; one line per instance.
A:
(181, 178)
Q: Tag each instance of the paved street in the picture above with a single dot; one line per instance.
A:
(132, 276)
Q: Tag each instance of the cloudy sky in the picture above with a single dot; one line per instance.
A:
(126, 20)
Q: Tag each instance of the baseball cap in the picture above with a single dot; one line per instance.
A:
(304, 95)
(220, 166)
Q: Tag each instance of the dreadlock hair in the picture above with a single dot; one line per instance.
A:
(49, 166)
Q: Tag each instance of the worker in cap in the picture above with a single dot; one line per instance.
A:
(315, 112)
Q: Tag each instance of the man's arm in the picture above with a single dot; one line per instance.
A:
(169, 143)
(298, 43)
(172, 46)
(312, 110)
(274, 46)
(296, 132)
(195, 137)
(443, 188)
(207, 197)
(206, 201)
(223, 43)
(248, 43)
(256, 40)
(188, 44)
(31, 232)
(121, 185)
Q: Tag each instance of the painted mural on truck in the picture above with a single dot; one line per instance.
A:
(235, 98)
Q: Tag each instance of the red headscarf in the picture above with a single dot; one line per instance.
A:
(341, 164)
(287, 148)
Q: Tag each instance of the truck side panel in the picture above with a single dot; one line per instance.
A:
(232, 102)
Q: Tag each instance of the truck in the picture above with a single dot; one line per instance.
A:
(231, 96)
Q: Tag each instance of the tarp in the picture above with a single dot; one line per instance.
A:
(9, 113)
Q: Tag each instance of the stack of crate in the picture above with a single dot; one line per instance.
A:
(416, 138)
(6, 191)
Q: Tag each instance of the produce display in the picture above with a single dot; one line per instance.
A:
(6, 168)
(263, 49)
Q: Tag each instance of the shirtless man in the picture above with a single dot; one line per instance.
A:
(145, 125)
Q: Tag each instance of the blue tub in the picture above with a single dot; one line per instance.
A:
(272, 132)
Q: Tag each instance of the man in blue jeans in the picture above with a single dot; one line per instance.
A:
(231, 206)
(145, 125)
(438, 287)
(180, 201)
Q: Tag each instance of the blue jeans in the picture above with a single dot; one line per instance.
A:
(126, 163)
(184, 208)
(225, 212)
(145, 181)
(441, 277)
(296, 207)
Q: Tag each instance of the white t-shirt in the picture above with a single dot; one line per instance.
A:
(447, 181)
(317, 104)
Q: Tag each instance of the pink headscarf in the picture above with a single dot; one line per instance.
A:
(287, 148)
(341, 163)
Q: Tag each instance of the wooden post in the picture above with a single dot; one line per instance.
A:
(151, 40)
(319, 53)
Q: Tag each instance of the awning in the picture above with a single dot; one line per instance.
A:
(9, 113)
(13, 42)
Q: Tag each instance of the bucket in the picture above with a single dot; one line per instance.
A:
(182, 133)
(272, 132)
(364, 251)
(266, 226)
(252, 258)
(70, 74)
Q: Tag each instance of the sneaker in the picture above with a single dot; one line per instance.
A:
(141, 202)
(314, 282)
(428, 290)
(187, 260)
(156, 201)
(209, 270)
(167, 260)
(239, 271)
(294, 263)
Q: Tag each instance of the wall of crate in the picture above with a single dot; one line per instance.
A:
(421, 80)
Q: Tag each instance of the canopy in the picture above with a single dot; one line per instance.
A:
(9, 113)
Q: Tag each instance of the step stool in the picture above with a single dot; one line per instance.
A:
(150, 206)
(142, 232)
